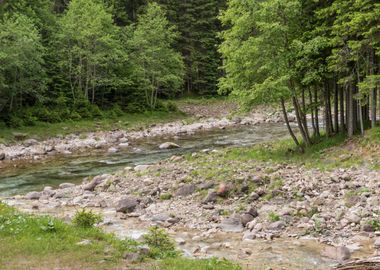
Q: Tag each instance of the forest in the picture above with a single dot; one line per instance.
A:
(83, 59)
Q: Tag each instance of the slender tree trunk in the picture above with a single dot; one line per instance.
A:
(361, 118)
(305, 138)
(316, 111)
(312, 113)
(287, 123)
(336, 107)
(341, 93)
(327, 110)
(350, 110)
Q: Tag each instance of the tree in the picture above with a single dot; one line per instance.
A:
(89, 48)
(260, 52)
(158, 66)
(22, 74)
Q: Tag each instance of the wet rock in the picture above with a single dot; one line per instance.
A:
(2, 156)
(249, 236)
(34, 195)
(211, 197)
(340, 253)
(141, 168)
(66, 185)
(169, 145)
(126, 205)
(232, 224)
(277, 225)
(123, 145)
(112, 150)
(185, 190)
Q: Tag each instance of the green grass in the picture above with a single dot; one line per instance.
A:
(40, 242)
(190, 264)
(284, 152)
(128, 121)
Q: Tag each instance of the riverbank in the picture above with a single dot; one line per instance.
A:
(115, 139)
(232, 202)
(41, 242)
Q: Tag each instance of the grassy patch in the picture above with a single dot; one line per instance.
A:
(189, 264)
(127, 121)
(29, 242)
(283, 152)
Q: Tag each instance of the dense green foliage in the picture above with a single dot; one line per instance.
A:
(62, 60)
(313, 53)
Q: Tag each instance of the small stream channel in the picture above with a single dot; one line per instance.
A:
(29, 176)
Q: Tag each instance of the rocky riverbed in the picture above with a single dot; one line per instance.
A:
(241, 205)
(114, 141)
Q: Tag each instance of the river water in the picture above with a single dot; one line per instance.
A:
(29, 176)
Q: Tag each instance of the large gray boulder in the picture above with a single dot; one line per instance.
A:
(126, 204)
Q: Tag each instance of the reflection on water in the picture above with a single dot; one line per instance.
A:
(52, 172)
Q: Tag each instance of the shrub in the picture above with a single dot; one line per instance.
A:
(160, 243)
(273, 217)
(86, 219)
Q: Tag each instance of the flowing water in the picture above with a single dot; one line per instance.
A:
(29, 176)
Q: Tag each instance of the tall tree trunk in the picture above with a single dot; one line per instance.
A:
(350, 110)
(287, 123)
(328, 127)
(342, 124)
(336, 107)
(304, 135)
(360, 110)
(312, 113)
(316, 111)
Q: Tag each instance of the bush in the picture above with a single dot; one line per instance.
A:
(86, 219)
(160, 243)
(171, 107)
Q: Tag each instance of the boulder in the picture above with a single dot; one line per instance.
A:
(169, 145)
(245, 218)
(30, 142)
(277, 225)
(126, 205)
(95, 182)
(185, 190)
(340, 253)
(34, 195)
(2, 156)
(223, 190)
